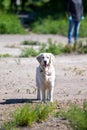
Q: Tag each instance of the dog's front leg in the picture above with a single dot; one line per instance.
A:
(51, 94)
(43, 93)
(38, 83)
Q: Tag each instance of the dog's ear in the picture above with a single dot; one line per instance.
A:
(52, 58)
(39, 58)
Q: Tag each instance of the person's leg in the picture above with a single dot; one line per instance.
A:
(76, 30)
(70, 31)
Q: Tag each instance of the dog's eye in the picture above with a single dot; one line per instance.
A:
(42, 57)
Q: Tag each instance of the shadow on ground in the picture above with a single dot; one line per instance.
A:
(16, 101)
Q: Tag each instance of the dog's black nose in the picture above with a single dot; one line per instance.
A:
(45, 62)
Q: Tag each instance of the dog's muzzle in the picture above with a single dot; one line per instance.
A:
(45, 63)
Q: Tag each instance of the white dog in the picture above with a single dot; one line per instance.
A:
(45, 77)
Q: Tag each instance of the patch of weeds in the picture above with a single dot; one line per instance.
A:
(43, 111)
(67, 49)
(77, 116)
(30, 43)
(28, 114)
(28, 52)
(54, 47)
(24, 116)
(78, 71)
(8, 126)
(82, 47)
(5, 55)
(43, 48)
(51, 47)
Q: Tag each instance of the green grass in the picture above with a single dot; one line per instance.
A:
(27, 115)
(50, 26)
(10, 24)
(83, 26)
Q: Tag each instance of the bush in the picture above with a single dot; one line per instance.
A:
(10, 24)
(50, 26)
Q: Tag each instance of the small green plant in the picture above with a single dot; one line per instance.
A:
(30, 43)
(42, 48)
(51, 47)
(24, 116)
(81, 47)
(8, 126)
(43, 111)
(28, 52)
(54, 47)
(67, 49)
(4, 55)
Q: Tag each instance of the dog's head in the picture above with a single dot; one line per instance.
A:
(45, 59)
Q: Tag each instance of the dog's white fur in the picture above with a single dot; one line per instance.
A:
(45, 77)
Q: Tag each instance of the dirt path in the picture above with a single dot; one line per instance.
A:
(17, 76)
(16, 39)
(17, 82)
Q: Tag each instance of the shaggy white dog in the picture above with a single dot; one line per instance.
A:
(45, 77)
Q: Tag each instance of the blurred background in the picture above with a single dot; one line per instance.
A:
(37, 16)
